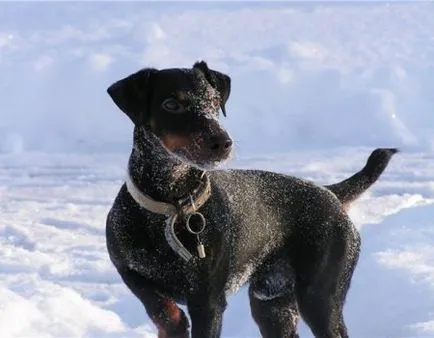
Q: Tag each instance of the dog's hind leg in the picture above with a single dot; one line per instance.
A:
(277, 317)
(273, 302)
(322, 314)
(322, 286)
(170, 320)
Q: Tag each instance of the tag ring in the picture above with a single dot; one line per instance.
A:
(187, 223)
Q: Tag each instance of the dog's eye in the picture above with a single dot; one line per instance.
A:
(173, 106)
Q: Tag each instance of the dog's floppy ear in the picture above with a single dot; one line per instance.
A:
(131, 94)
(219, 81)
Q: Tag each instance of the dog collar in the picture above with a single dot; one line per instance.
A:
(185, 207)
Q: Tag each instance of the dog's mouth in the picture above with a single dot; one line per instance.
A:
(203, 163)
(197, 152)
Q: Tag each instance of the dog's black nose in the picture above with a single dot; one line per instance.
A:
(220, 143)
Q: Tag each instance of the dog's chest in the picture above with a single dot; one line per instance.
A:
(174, 278)
(149, 254)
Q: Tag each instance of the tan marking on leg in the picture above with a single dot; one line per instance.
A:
(170, 317)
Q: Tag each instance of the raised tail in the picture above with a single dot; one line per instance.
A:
(350, 189)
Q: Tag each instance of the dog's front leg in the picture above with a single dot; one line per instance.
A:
(170, 320)
(206, 315)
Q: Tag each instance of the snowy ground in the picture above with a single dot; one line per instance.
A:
(57, 281)
(315, 87)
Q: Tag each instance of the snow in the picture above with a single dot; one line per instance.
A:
(315, 87)
(55, 271)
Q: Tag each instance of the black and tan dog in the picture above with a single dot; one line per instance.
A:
(180, 234)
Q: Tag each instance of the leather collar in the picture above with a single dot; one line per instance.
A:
(186, 205)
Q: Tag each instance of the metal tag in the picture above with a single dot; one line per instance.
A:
(201, 250)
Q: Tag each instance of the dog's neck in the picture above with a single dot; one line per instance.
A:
(156, 172)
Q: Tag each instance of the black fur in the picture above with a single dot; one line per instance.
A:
(131, 94)
(291, 239)
(218, 80)
(349, 190)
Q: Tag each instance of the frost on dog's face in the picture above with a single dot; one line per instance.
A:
(181, 107)
(186, 121)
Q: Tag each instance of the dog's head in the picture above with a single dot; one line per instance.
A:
(181, 107)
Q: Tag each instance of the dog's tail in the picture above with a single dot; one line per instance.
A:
(350, 189)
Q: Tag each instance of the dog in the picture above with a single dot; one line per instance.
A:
(182, 232)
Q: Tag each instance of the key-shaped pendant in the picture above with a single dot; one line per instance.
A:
(195, 224)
